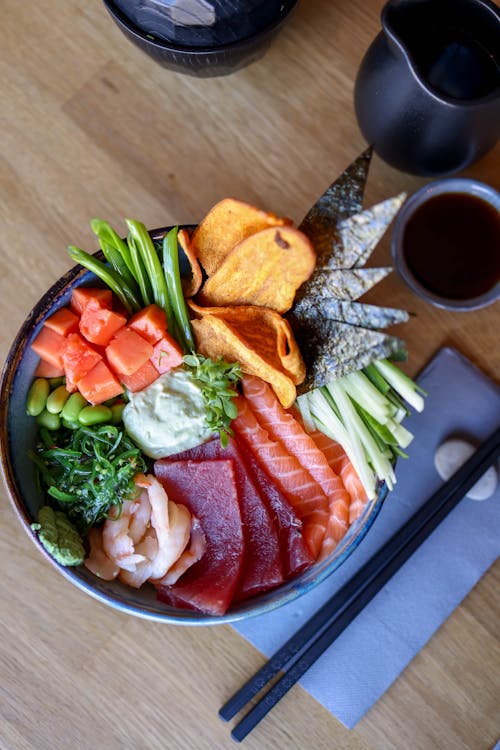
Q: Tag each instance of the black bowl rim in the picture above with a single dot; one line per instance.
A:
(172, 616)
(161, 44)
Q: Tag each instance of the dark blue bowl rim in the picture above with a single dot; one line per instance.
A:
(264, 603)
(161, 44)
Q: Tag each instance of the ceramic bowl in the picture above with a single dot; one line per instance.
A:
(202, 61)
(17, 434)
(445, 187)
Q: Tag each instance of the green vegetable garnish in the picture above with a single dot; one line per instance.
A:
(218, 383)
(59, 537)
(88, 470)
(174, 286)
(109, 276)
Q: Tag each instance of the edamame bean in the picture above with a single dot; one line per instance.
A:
(37, 396)
(116, 413)
(57, 399)
(90, 415)
(55, 382)
(48, 420)
(70, 425)
(73, 407)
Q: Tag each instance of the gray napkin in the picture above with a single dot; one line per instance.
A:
(370, 654)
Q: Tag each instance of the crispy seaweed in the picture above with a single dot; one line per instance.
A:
(342, 199)
(361, 233)
(337, 335)
(342, 283)
(336, 348)
(345, 311)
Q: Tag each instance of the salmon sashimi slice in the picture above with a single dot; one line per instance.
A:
(341, 464)
(281, 425)
(301, 490)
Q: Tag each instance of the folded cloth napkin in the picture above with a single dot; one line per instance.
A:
(369, 655)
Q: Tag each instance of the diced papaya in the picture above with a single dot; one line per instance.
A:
(63, 322)
(99, 324)
(140, 379)
(49, 346)
(78, 358)
(167, 354)
(127, 351)
(150, 323)
(99, 384)
(46, 370)
(82, 295)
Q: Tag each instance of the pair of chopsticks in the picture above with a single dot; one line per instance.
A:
(320, 631)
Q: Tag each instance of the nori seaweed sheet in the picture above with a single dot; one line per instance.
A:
(342, 283)
(335, 334)
(342, 199)
(340, 348)
(312, 313)
(361, 233)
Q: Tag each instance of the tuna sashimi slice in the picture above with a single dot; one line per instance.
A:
(262, 569)
(208, 489)
(295, 554)
(281, 425)
(301, 490)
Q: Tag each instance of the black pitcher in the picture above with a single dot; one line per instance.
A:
(427, 95)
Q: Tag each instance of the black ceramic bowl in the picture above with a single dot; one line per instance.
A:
(17, 435)
(202, 61)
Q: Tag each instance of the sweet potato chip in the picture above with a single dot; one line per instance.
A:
(229, 222)
(265, 269)
(192, 285)
(258, 338)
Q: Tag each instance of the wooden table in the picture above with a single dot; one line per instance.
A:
(90, 126)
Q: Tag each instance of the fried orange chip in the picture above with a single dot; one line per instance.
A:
(258, 338)
(268, 329)
(226, 224)
(265, 269)
(192, 285)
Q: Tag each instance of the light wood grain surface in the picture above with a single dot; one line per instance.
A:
(91, 126)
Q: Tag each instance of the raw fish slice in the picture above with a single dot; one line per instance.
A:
(302, 491)
(282, 426)
(208, 489)
(341, 464)
(262, 569)
(295, 554)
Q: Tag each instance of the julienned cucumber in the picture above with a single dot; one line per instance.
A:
(363, 412)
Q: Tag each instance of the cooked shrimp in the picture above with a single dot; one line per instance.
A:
(170, 529)
(98, 562)
(190, 556)
(116, 540)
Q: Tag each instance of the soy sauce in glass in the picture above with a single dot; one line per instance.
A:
(451, 245)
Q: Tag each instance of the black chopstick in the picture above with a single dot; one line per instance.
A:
(319, 632)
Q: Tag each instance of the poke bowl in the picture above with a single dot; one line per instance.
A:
(18, 433)
(220, 480)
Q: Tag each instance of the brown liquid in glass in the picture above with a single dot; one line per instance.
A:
(452, 246)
